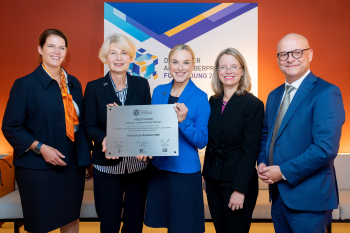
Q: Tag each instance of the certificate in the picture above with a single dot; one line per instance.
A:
(150, 130)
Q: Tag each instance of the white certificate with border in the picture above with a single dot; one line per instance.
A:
(150, 130)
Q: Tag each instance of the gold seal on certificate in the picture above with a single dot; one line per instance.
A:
(150, 130)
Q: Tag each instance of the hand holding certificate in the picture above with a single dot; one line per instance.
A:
(150, 130)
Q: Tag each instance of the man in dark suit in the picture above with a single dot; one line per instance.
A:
(300, 140)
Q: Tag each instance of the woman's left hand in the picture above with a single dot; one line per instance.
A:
(89, 172)
(181, 111)
(236, 201)
(143, 158)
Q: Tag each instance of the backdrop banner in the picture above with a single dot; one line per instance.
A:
(207, 28)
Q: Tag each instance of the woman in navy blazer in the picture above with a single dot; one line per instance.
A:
(50, 162)
(120, 184)
(175, 196)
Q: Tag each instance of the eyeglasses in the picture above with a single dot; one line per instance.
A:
(297, 53)
(233, 68)
(61, 49)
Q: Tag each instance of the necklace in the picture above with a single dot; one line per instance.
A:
(177, 93)
(223, 103)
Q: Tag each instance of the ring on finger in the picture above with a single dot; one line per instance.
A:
(237, 207)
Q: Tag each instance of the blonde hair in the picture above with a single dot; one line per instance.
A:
(244, 85)
(181, 47)
(121, 42)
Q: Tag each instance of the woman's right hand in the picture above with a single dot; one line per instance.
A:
(112, 105)
(52, 156)
(104, 149)
(236, 201)
(104, 142)
(181, 111)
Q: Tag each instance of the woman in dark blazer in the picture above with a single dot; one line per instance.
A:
(234, 126)
(43, 124)
(119, 183)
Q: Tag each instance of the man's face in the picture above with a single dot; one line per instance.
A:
(293, 68)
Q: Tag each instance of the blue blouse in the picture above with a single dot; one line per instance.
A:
(193, 131)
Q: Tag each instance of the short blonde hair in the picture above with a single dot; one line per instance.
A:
(244, 83)
(121, 42)
(181, 47)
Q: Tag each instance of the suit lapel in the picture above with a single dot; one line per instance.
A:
(109, 89)
(273, 113)
(43, 77)
(187, 92)
(218, 126)
(230, 105)
(74, 92)
(132, 86)
(166, 92)
(276, 105)
(304, 89)
(216, 121)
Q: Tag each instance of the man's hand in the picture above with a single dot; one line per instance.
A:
(273, 173)
(263, 176)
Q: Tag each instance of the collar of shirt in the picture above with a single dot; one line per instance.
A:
(76, 127)
(296, 85)
(65, 75)
(115, 86)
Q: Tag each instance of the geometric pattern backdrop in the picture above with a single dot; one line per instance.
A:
(169, 26)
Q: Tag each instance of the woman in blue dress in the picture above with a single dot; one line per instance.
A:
(175, 196)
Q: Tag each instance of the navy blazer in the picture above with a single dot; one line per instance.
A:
(234, 141)
(98, 94)
(306, 144)
(35, 111)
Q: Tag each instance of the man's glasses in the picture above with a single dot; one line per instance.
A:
(297, 53)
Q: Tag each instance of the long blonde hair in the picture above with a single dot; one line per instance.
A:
(244, 85)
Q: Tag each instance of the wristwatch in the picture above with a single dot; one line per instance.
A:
(283, 177)
(37, 148)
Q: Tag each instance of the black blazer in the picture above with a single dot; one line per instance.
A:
(234, 140)
(97, 95)
(35, 111)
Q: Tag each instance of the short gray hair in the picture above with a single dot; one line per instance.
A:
(121, 42)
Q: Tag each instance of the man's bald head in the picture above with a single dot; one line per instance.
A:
(293, 38)
(294, 68)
